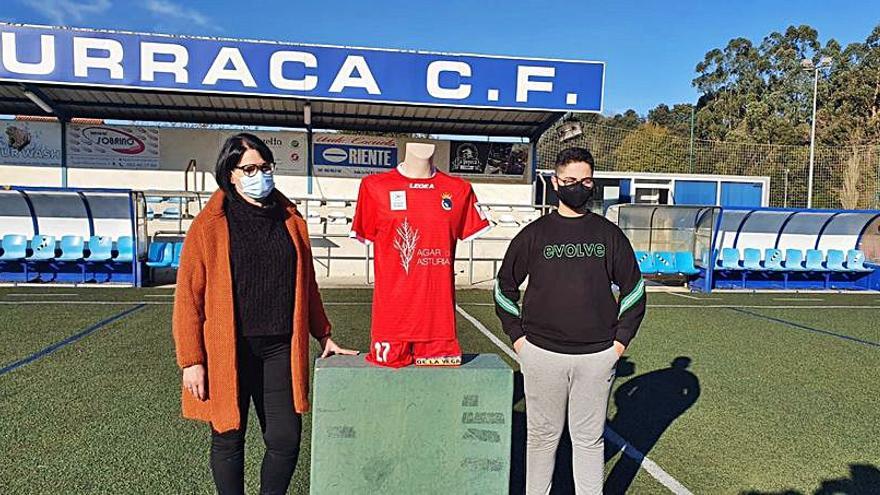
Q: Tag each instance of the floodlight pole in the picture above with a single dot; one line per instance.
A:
(824, 63)
(813, 139)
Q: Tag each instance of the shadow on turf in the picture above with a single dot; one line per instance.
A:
(646, 406)
(864, 479)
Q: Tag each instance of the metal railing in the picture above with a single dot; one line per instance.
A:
(323, 251)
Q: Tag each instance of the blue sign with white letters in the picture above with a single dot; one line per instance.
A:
(150, 61)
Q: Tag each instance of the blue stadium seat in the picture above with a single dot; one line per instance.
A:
(42, 248)
(855, 261)
(14, 248)
(773, 260)
(175, 258)
(13, 252)
(646, 262)
(815, 261)
(171, 213)
(100, 249)
(752, 259)
(730, 259)
(72, 247)
(836, 260)
(794, 260)
(42, 251)
(684, 263)
(160, 254)
(124, 250)
(100, 253)
(664, 261)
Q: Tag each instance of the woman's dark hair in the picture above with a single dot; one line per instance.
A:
(230, 156)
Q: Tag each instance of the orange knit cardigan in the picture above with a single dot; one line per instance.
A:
(204, 323)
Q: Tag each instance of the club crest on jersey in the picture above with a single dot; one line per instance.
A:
(446, 201)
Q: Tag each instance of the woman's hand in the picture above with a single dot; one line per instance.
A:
(330, 348)
(619, 348)
(194, 381)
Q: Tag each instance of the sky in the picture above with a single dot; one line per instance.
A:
(650, 47)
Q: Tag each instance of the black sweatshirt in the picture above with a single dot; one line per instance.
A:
(263, 260)
(569, 306)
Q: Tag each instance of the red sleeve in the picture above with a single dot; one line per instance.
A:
(363, 226)
(473, 221)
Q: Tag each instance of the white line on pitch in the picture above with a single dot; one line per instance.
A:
(158, 295)
(726, 306)
(647, 464)
(681, 295)
(93, 303)
(43, 294)
(797, 299)
(491, 336)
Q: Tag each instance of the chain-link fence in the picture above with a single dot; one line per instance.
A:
(844, 177)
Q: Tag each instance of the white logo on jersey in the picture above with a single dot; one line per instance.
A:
(405, 242)
(480, 211)
(398, 200)
(419, 185)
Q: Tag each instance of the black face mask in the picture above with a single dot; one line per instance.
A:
(575, 196)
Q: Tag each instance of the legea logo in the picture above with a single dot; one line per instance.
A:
(335, 155)
(117, 140)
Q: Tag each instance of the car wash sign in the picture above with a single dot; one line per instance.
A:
(148, 61)
(342, 155)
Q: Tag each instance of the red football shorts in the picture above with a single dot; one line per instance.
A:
(397, 354)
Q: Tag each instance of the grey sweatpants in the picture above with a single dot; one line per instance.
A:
(555, 383)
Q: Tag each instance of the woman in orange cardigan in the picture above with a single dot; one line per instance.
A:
(245, 305)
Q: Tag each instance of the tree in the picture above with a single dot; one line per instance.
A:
(651, 148)
(677, 119)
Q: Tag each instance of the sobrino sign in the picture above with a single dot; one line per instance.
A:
(98, 146)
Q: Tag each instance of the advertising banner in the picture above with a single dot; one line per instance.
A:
(101, 146)
(30, 143)
(290, 149)
(343, 155)
(488, 159)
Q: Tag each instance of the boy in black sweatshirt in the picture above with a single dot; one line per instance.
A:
(570, 331)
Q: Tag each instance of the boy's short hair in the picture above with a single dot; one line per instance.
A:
(574, 154)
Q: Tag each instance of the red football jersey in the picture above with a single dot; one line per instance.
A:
(414, 225)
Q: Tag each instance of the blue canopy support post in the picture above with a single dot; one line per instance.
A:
(825, 226)
(739, 229)
(713, 255)
(33, 212)
(782, 229)
(88, 207)
(651, 231)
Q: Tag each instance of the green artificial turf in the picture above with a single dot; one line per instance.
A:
(772, 400)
